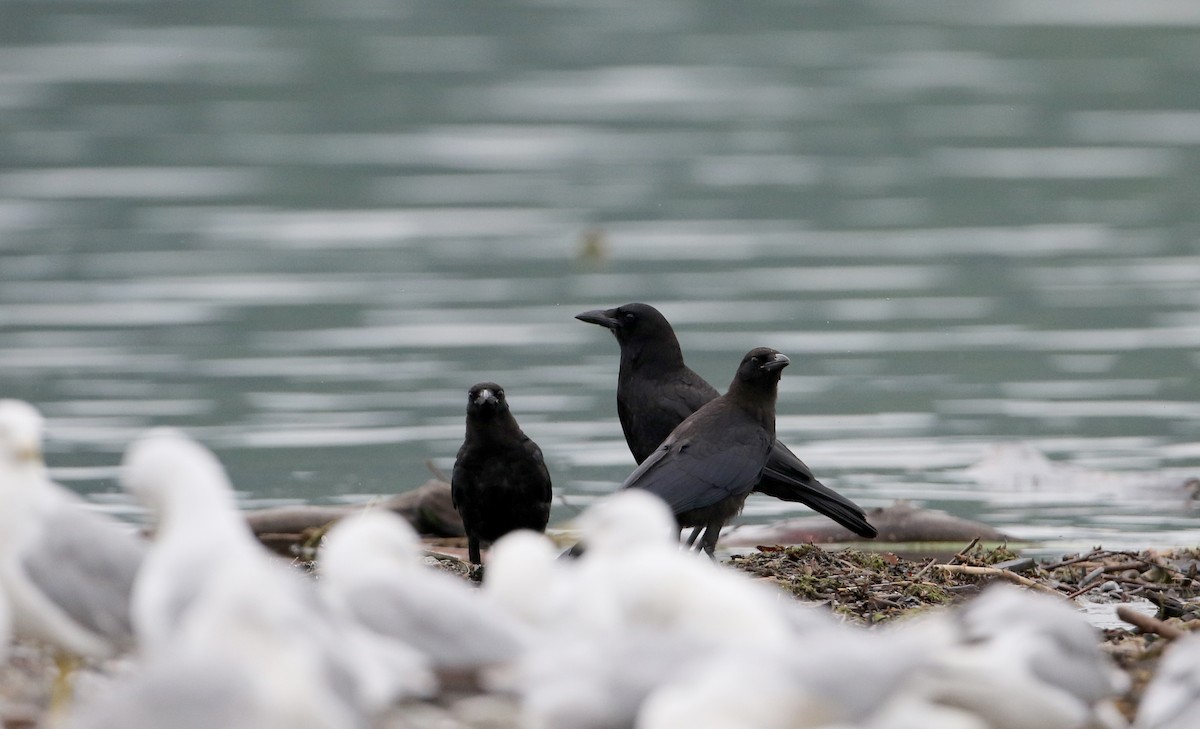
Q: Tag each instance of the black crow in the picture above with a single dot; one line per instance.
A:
(500, 482)
(656, 391)
(711, 461)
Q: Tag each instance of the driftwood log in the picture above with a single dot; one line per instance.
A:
(901, 522)
(430, 511)
(428, 508)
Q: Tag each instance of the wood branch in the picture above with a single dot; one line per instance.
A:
(428, 508)
(921, 572)
(1009, 575)
(438, 474)
(295, 519)
(1148, 624)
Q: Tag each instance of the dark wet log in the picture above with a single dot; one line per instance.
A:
(900, 522)
(427, 508)
(1018, 565)
(430, 510)
(295, 519)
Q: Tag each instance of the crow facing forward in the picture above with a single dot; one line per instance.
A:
(500, 482)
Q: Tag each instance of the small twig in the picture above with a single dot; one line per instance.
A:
(1079, 591)
(881, 600)
(848, 566)
(1122, 566)
(963, 552)
(921, 572)
(1089, 557)
(1148, 624)
(437, 472)
(1009, 575)
(575, 510)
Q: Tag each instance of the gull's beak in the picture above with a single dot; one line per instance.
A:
(29, 453)
(777, 362)
(604, 317)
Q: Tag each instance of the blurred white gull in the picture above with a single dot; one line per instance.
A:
(624, 618)
(1010, 659)
(198, 530)
(838, 674)
(5, 628)
(526, 578)
(633, 573)
(210, 590)
(909, 710)
(371, 574)
(1172, 698)
(580, 680)
(737, 690)
(266, 621)
(181, 693)
(1024, 661)
(66, 572)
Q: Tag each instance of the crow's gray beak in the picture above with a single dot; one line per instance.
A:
(604, 317)
(777, 362)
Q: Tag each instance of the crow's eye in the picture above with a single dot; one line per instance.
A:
(629, 316)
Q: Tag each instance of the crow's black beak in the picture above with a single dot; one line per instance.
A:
(485, 397)
(605, 318)
(777, 362)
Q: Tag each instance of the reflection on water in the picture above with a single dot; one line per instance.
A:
(303, 233)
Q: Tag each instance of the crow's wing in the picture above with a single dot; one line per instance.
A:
(698, 470)
(542, 473)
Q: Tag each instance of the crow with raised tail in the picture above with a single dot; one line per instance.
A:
(711, 461)
(656, 391)
(500, 482)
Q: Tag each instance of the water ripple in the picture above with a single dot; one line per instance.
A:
(132, 182)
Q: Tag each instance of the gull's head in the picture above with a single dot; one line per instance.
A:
(371, 536)
(520, 549)
(20, 433)
(525, 577)
(165, 466)
(522, 558)
(628, 518)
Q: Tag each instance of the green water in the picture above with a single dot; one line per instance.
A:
(302, 231)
